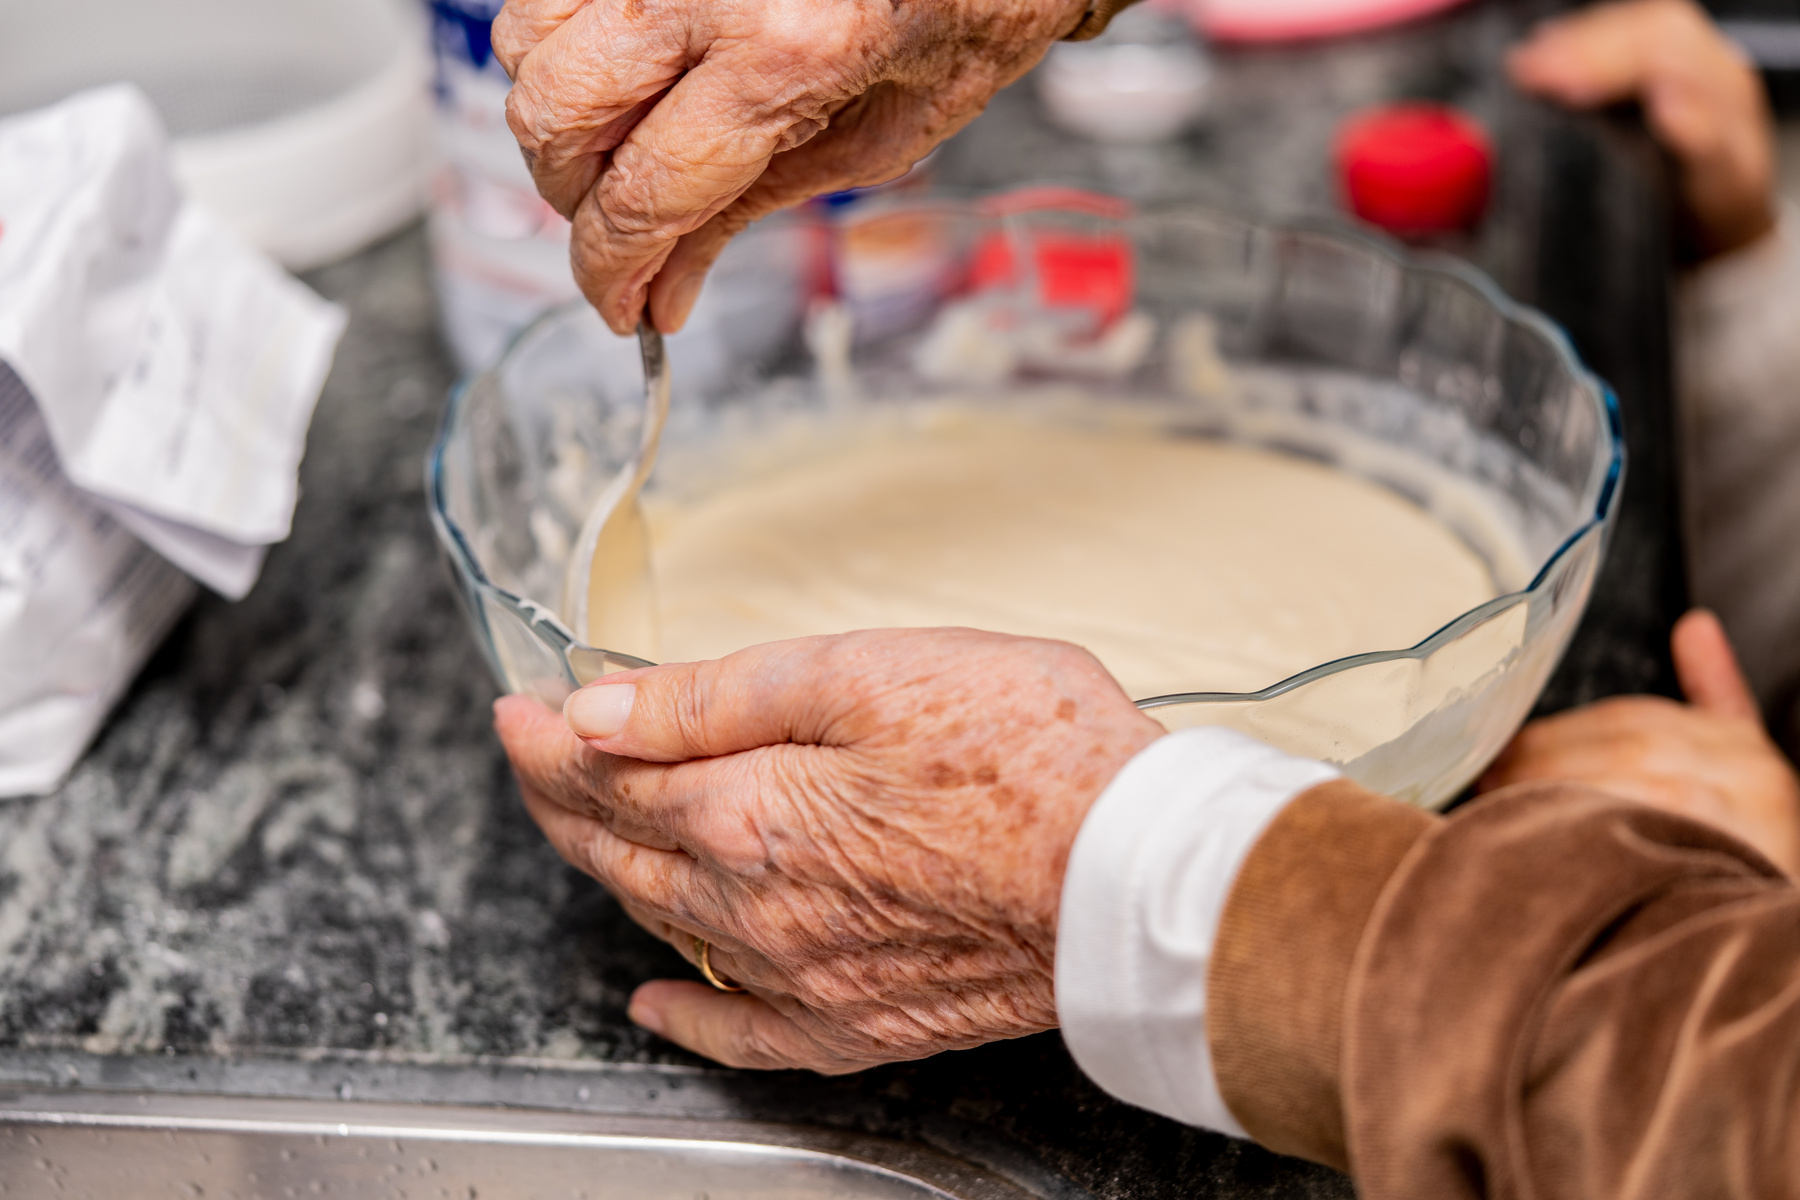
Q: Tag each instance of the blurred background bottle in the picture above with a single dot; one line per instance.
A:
(502, 254)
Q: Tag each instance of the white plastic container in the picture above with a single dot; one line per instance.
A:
(303, 123)
(1144, 80)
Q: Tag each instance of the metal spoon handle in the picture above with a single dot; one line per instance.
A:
(608, 582)
(656, 402)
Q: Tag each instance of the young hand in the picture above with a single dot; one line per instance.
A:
(1701, 97)
(1709, 759)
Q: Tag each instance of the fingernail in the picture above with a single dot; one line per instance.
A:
(599, 710)
(645, 1015)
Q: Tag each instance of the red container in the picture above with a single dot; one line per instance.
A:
(1415, 169)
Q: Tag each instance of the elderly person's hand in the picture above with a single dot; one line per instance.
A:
(1709, 759)
(1700, 95)
(663, 127)
(870, 830)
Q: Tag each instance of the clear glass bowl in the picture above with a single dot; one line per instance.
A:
(1412, 372)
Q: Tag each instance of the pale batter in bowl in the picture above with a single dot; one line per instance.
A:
(1185, 564)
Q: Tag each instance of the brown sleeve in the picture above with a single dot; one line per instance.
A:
(1551, 993)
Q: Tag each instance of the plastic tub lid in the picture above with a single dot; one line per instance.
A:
(1415, 168)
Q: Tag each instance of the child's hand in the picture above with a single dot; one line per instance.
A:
(1701, 97)
(1708, 759)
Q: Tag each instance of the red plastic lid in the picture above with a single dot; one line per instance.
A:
(1415, 168)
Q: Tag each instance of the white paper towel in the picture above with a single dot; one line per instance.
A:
(82, 604)
(157, 376)
(176, 367)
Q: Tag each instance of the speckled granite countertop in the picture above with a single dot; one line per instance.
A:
(295, 864)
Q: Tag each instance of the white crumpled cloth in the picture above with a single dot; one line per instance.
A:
(157, 376)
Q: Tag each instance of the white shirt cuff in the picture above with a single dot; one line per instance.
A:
(1146, 886)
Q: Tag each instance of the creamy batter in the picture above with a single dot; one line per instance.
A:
(1183, 564)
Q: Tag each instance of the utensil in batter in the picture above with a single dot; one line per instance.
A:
(607, 593)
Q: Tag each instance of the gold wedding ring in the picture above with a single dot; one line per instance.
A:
(703, 960)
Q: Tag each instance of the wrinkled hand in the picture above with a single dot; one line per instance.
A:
(1701, 97)
(662, 127)
(871, 830)
(1709, 759)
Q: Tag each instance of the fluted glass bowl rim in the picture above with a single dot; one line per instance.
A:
(544, 622)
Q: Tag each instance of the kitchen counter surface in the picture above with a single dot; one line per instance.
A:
(295, 863)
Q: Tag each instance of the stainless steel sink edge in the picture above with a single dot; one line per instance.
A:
(626, 1089)
(914, 1169)
(651, 1091)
